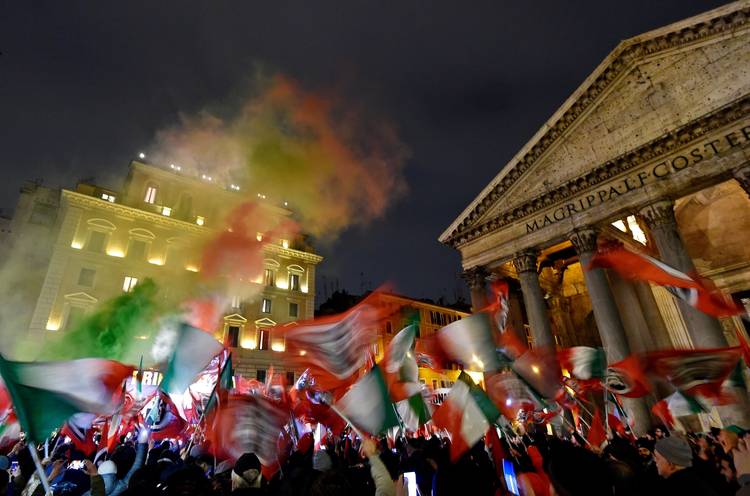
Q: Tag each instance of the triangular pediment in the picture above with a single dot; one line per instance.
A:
(81, 298)
(648, 87)
(265, 322)
(235, 317)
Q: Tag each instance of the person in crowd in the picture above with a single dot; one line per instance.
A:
(674, 459)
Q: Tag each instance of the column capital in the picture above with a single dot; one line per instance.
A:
(525, 261)
(659, 214)
(584, 240)
(475, 277)
(742, 175)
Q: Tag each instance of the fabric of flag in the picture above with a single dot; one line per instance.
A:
(415, 411)
(583, 362)
(596, 435)
(540, 370)
(367, 404)
(224, 384)
(462, 417)
(10, 430)
(696, 291)
(510, 394)
(335, 346)
(46, 394)
(679, 404)
(400, 366)
(469, 341)
(627, 378)
(193, 350)
(694, 371)
(164, 420)
(247, 424)
(79, 428)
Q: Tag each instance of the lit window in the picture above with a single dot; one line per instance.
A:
(86, 277)
(293, 309)
(638, 233)
(263, 338)
(269, 277)
(166, 211)
(200, 220)
(259, 236)
(235, 302)
(109, 198)
(285, 243)
(129, 284)
(266, 306)
(619, 224)
(294, 282)
(150, 195)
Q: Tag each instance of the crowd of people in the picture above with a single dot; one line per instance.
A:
(536, 464)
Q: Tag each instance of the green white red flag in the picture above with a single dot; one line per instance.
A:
(193, 350)
(679, 404)
(583, 362)
(367, 404)
(696, 291)
(694, 372)
(46, 394)
(469, 341)
(466, 413)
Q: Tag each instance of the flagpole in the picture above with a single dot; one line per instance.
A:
(213, 392)
(40, 471)
(345, 419)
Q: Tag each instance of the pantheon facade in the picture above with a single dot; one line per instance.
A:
(652, 150)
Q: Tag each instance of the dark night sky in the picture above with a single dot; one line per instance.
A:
(84, 86)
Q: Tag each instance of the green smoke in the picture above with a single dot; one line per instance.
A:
(110, 332)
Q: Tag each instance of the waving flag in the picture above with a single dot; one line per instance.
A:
(193, 350)
(694, 371)
(164, 420)
(696, 291)
(679, 404)
(627, 378)
(80, 431)
(248, 424)
(583, 363)
(46, 394)
(336, 346)
(540, 370)
(510, 394)
(466, 414)
(367, 405)
(469, 341)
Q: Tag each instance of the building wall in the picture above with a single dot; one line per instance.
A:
(141, 240)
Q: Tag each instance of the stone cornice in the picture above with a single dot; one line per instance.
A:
(653, 150)
(82, 200)
(79, 199)
(723, 20)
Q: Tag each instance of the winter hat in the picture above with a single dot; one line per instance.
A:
(107, 467)
(322, 461)
(676, 450)
(246, 462)
(196, 451)
(246, 472)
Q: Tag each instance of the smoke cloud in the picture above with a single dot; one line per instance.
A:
(334, 163)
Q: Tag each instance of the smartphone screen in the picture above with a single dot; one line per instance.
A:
(410, 478)
(76, 465)
(510, 477)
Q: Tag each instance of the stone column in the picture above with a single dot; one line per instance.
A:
(637, 328)
(653, 316)
(742, 175)
(533, 299)
(476, 279)
(608, 320)
(705, 331)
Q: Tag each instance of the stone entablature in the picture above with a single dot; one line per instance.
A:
(721, 24)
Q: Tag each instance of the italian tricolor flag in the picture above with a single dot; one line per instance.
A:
(193, 350)
(583, 362)
(466, 414)
(367, 405)
(470, 342)
(46, 394)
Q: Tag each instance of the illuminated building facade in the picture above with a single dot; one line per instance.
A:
(101, 242)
